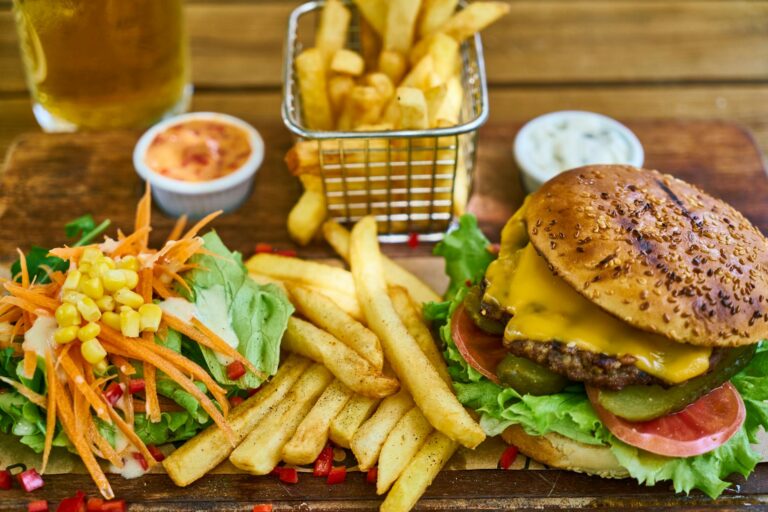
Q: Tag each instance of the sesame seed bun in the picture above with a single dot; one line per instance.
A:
(656, 252)
(561, 452)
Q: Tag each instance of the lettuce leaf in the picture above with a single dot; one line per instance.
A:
(466, 254)
(570, 414)
(256, 315)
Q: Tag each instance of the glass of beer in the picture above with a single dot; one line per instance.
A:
(95, 64)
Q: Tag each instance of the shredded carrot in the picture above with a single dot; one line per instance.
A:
(12, 315)
(30, 363)
(125, 246)
(145, 353)
(25, 306)
(35, 398)
(64, 407)
(145, 284)
(50, 417)
(162, 290)
(143, 217)
(24, 269)
(70, 253)
(178, 228)
(37, 299)
(131, 436)
(127, 397)
(150, 391)
(75, 376)
(105, 449)
(175, 277)
(205, 336)
(123, 366)
(201, 224)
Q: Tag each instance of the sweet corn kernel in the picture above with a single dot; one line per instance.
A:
(91, 254)
(84, 268)
(65, 334)
(98, 269)
(131, 279)
(151, 314)
(111, 319)
(114, 280)
(130, 323)
(125, 308)
(108, 262)
(128, 263)
(129, 298)
(71, 296)
(88, 309)
(72, 280)
(92, 351)
(92, 287)
(106, 303)
(67, 315)
(101, 367)
(88, 331)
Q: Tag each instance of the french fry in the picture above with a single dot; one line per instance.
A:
(305, 339)
(400, 447)
(370, 44)
(434, 14)
(393, 64)
(261, 449)
(312, 434)
(412, 319)
(370, 437)
(339, 87)
(449, 111)
(348, 62)
(474, 18)
(322, 312)
(332, 33)
(421, 75)
(338, 238)
(424, 467)
(209, 448)
(310, 273)
(362, 106)
(310, 69)
(413, 109)
(382, 83)
(358, 409)
(435, 100)
(433, 396)
(401, 22)
(375, 13)
(308, 213)
(444, 51)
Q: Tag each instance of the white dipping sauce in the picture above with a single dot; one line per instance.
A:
(556, 142)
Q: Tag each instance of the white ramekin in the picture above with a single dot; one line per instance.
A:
(196, 199)
(533, 177)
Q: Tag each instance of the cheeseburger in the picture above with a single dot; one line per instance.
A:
(617, 331)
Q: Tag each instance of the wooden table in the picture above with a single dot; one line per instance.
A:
(631, 59)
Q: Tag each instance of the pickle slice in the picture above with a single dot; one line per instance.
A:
(527, 377)
(473, 306)
(644, 403)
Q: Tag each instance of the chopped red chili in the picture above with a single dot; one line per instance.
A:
(264, 507)
(37, 506)
(337, 475)
(74, 504)
(94, 504)
(508, 457)
(113, 506)
(372, 475)
(262, 247)
(236, 400)
(30, 480)
(5, 479)
(235, 370)
(141, 460)
(288, 475)
(156, 453)
(136, 386)
(413, 240)
(324, 462)
(113, 393)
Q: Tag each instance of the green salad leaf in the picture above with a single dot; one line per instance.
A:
(251, 315)
(570, 414)
(466, 254)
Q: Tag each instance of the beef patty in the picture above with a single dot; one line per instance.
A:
(600, 370)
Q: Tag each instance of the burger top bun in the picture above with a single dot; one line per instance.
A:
(656, 252)
(561, 452)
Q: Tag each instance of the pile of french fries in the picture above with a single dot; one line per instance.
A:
(362, 371)
(405, 76)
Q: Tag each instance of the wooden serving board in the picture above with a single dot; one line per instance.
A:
(49, 179)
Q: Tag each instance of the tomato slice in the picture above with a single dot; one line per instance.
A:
(699, 428)
(482, 351)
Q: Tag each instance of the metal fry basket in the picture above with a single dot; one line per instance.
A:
(412, 181)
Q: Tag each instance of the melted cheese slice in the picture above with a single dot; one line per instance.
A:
(546, 308)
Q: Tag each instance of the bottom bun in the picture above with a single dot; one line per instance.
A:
(560, 452)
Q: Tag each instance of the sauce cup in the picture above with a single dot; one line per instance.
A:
(198, 198)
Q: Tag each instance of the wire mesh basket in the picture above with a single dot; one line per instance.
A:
(412, 181)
